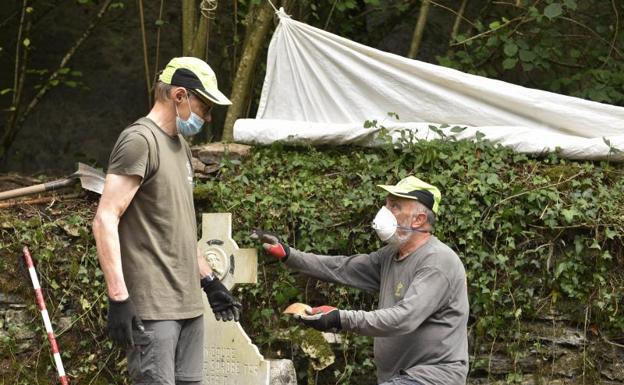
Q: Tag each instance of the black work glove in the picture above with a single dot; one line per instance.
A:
(224, 306)
(122, 317)
(322, 318)
(272, 244)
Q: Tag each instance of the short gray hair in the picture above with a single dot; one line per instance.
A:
(162, 90)
(431, 217)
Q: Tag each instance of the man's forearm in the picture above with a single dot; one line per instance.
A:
(105, 232)
(424, 296)
(356, 271)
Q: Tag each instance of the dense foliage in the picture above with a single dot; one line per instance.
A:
(537, 236)
(570, 47)
(62, 245)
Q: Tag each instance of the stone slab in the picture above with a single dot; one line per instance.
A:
(230, 358)
(213, 153)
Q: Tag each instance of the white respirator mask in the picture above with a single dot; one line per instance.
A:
(385, 225)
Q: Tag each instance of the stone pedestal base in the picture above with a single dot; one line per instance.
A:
(282, 372)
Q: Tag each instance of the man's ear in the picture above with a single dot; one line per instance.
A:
(419, 219)
(177, 94)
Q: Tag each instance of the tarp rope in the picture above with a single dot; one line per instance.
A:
(272, 5)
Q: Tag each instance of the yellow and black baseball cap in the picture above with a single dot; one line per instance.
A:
(194, 74)
(414, 188)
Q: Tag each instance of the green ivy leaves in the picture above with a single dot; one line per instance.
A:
(553, 10)
(536, 235)
(560, 46)
(525, 227)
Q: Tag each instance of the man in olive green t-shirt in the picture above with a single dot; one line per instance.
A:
(145, 231)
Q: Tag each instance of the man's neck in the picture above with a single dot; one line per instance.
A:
(412, 244)
(163, 114)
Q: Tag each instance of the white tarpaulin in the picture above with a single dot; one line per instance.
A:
(320, 88)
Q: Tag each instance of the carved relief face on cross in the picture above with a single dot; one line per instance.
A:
(229, 263)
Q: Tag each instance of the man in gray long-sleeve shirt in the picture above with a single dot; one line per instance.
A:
(420, 325)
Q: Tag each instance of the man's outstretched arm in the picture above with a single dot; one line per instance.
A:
(361, 271)
(424, 297)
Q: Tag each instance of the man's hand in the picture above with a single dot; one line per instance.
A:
(272, 244)
(122, 318)
(322, 318)
(224, 306)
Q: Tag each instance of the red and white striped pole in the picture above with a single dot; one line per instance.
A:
(45, 316)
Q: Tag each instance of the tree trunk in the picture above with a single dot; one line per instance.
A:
(194, 30)
(189, 12)
(256, 36)
(200, 38)
(419, 29)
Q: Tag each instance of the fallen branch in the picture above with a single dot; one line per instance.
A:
(612, 343)
(39, 201)
(19, 179)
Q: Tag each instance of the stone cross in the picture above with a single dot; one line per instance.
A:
(229, 263)
(229, 355)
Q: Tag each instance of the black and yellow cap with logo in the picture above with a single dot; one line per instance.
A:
(194, 74)
(414, 188)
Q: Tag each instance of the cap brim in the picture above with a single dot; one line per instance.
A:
(397, 192)
(214, 96)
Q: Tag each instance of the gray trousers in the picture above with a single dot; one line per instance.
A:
(168, 353)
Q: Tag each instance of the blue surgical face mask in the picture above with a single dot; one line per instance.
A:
(192, 125)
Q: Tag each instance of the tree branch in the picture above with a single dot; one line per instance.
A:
(594, 33)
(485, 33)
(11, 132)
(18, 46)
(615, 32)
(458, 19)
(159, 27)
(148, 82)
